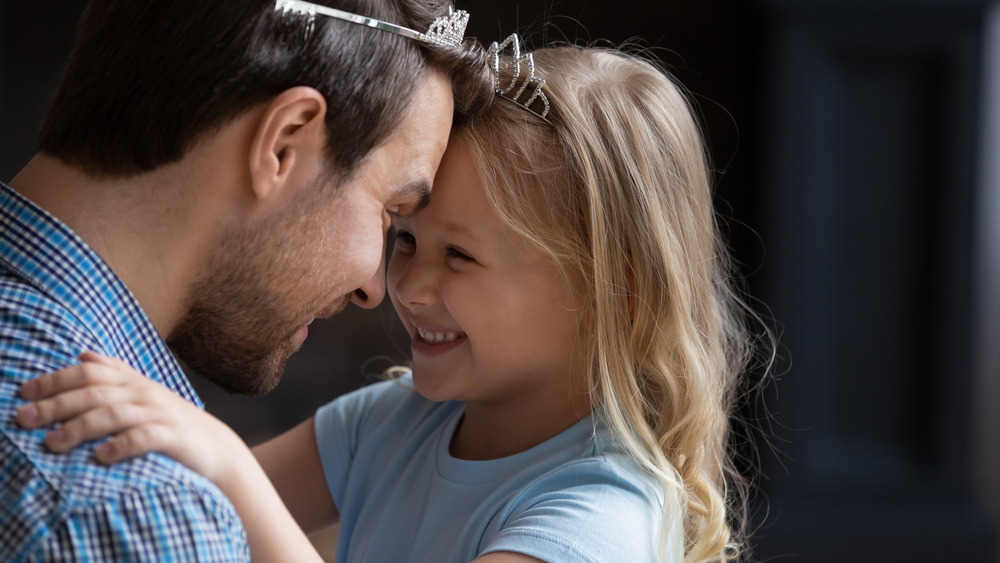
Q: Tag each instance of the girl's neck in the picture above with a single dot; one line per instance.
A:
(496, 431)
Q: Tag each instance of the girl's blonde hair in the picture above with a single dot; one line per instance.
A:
(616, 190)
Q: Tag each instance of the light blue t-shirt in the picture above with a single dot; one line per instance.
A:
(403, 498)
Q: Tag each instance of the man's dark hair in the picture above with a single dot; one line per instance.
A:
(147, 80)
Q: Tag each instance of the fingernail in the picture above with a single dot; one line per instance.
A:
(27, 414)
(28, 389)
(56, 436)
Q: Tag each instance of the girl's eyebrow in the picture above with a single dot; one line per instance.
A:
(457, 228)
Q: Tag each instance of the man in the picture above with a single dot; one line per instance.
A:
(215, 175)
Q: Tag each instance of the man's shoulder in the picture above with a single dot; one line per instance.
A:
(37, 333)
(57, 505)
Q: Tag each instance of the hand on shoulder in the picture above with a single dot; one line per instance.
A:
(103, 396)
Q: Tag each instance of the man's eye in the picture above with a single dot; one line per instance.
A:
(456, 253)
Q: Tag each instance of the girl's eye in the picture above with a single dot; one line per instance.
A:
(405, 242)
(455, 253)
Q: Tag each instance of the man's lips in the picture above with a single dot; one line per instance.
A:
(302, 332)
(331, 310)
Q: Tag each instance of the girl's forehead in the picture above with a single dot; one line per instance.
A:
(462, 219)
(459, 201)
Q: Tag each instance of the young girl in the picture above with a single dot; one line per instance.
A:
(576, 346)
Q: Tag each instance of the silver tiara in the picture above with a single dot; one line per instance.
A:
(537, 103)
(444, 31)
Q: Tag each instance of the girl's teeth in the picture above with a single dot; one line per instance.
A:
(435, 337)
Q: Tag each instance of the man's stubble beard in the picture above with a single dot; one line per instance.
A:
(240, 318)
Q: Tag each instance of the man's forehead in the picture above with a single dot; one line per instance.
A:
(428, 124)
(413, 152)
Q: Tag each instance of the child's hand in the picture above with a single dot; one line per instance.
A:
(103, 396)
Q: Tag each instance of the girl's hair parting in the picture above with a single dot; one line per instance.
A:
(616, 190)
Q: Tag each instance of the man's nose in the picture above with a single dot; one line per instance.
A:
(369, 295)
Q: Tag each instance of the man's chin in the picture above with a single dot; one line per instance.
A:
(239, 383)
(237, 372)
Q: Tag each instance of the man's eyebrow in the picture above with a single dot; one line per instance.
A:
(422, 190)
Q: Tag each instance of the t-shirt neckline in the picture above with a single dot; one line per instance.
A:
(469, 472)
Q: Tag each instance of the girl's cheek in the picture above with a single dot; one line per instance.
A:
(396, 264)
(400, 311)
(392, 279)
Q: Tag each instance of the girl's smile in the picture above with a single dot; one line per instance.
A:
(430, 337)
(431, 342)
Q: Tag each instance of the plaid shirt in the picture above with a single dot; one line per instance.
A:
(58, 299)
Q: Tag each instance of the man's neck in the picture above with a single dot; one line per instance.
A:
(143, 227)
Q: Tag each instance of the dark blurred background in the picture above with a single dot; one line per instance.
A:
(856, 147)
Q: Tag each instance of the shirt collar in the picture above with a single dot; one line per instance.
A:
(48, 255)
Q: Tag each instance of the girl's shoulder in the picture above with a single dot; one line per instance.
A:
(358, 434)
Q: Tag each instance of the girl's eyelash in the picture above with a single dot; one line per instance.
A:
(455, 253)
(407, 238)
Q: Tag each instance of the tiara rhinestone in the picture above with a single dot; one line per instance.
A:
(499, 68)
(448, 31)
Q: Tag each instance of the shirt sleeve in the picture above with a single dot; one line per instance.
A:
(590, 510)
(172, 522)
(66, 507)
(342, 424)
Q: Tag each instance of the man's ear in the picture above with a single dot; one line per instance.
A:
(289, 142)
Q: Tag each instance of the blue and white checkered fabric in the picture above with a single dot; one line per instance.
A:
(58, 299)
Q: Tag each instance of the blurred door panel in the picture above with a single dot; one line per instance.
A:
(868, 204)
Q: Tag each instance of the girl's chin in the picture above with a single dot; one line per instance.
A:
(430, 387)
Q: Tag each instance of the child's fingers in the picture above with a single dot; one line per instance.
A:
(94, 424)
(73, 377)
(69, 404)
(114, 363)
(94, 357)
(133, 442)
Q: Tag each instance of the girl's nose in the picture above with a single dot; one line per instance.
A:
(417, 286)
